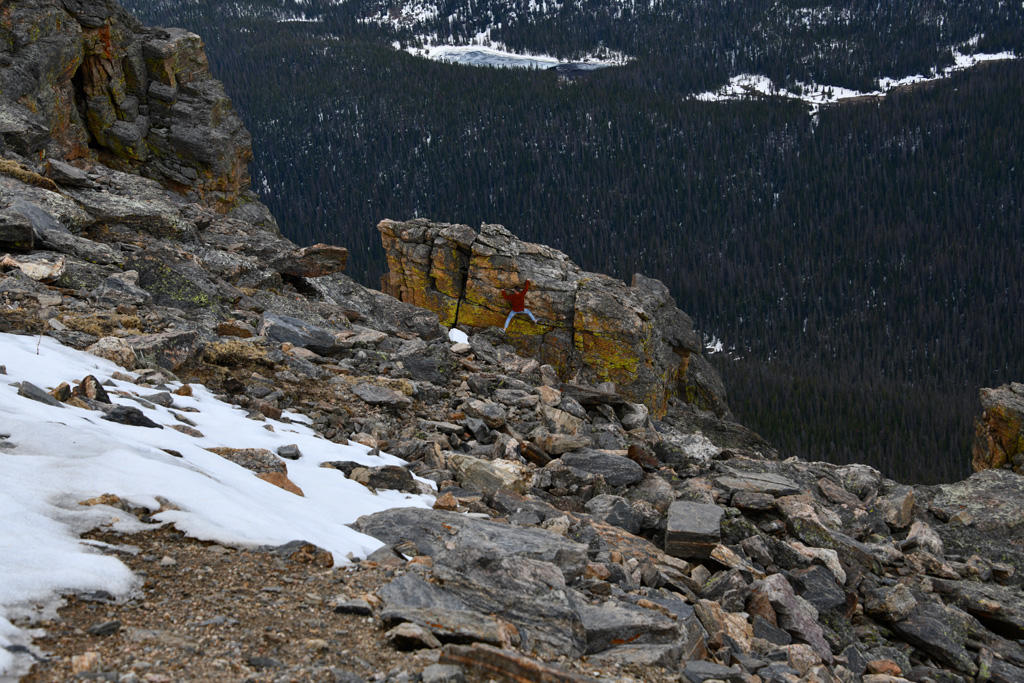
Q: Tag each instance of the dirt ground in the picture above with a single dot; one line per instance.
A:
(210, 613)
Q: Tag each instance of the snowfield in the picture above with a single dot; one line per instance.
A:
(54, 458)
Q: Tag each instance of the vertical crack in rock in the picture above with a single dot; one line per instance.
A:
(463, 271)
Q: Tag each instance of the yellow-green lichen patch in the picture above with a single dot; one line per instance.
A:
(232, 352)
(103, 325)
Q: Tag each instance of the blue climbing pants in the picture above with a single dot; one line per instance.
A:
(513, 313)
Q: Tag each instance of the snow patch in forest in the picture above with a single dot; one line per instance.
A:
(483, 54)
(753, 85)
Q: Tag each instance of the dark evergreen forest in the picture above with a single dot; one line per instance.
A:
(863, 264)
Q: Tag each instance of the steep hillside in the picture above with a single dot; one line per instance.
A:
(818, 248)
(225, 460)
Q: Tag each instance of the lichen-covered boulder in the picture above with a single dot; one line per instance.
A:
(589, 327)
(998, 437)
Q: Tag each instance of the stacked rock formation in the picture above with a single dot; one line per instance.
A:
(84, 80)
(589, 326)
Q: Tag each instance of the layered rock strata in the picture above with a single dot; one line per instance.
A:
(589, 326)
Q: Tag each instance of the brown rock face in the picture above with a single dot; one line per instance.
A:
(590, 327)
(100, 87)
(998, 438)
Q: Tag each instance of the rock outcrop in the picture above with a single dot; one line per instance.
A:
(82, 80)
(589, 326)
(998, 433)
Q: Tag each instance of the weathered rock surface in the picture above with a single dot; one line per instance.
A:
(693, 530)
(586, 503)
(998, 434)
(589, 325)
(432, 531)
(84, 81)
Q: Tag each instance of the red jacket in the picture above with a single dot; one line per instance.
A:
(518, 299)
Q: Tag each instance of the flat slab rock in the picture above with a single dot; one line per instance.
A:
(616, 469)
(699, 671)
(984, 515)
(758, 482)
(438, 533)
(459, 604)
(614, 623)
(693, 529)
(380, 396)
(666, 656)
(483, 662)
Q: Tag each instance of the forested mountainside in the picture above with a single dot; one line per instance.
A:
(861, 263)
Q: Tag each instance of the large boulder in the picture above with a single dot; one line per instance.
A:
(998, 437)
(589, 326)
(984, 514)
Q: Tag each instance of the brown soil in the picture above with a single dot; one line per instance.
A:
(221, 614)
(229, 615)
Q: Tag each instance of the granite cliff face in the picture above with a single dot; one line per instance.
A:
(83, 80)
(589, 326)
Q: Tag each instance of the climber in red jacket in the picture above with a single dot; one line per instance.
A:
(517, 298)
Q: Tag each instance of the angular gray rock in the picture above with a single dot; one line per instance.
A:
(941, 632)
(757, 482)
(616, 469)
(693, 529)
(29, 390)
(285, 328)
(615, 510)
(984, 515)
(795, 614)
(614, 623)
(433, 531)
(128, 415)
(664, 656)
(701, 671)
(169, 350)
(531, 594)
(380, 396)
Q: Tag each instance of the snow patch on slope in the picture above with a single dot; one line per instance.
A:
(53, 458)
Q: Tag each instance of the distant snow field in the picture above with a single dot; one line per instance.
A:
(748, 85)
(481, 55)
(54, 458)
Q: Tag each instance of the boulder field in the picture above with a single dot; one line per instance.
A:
(598, 508)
